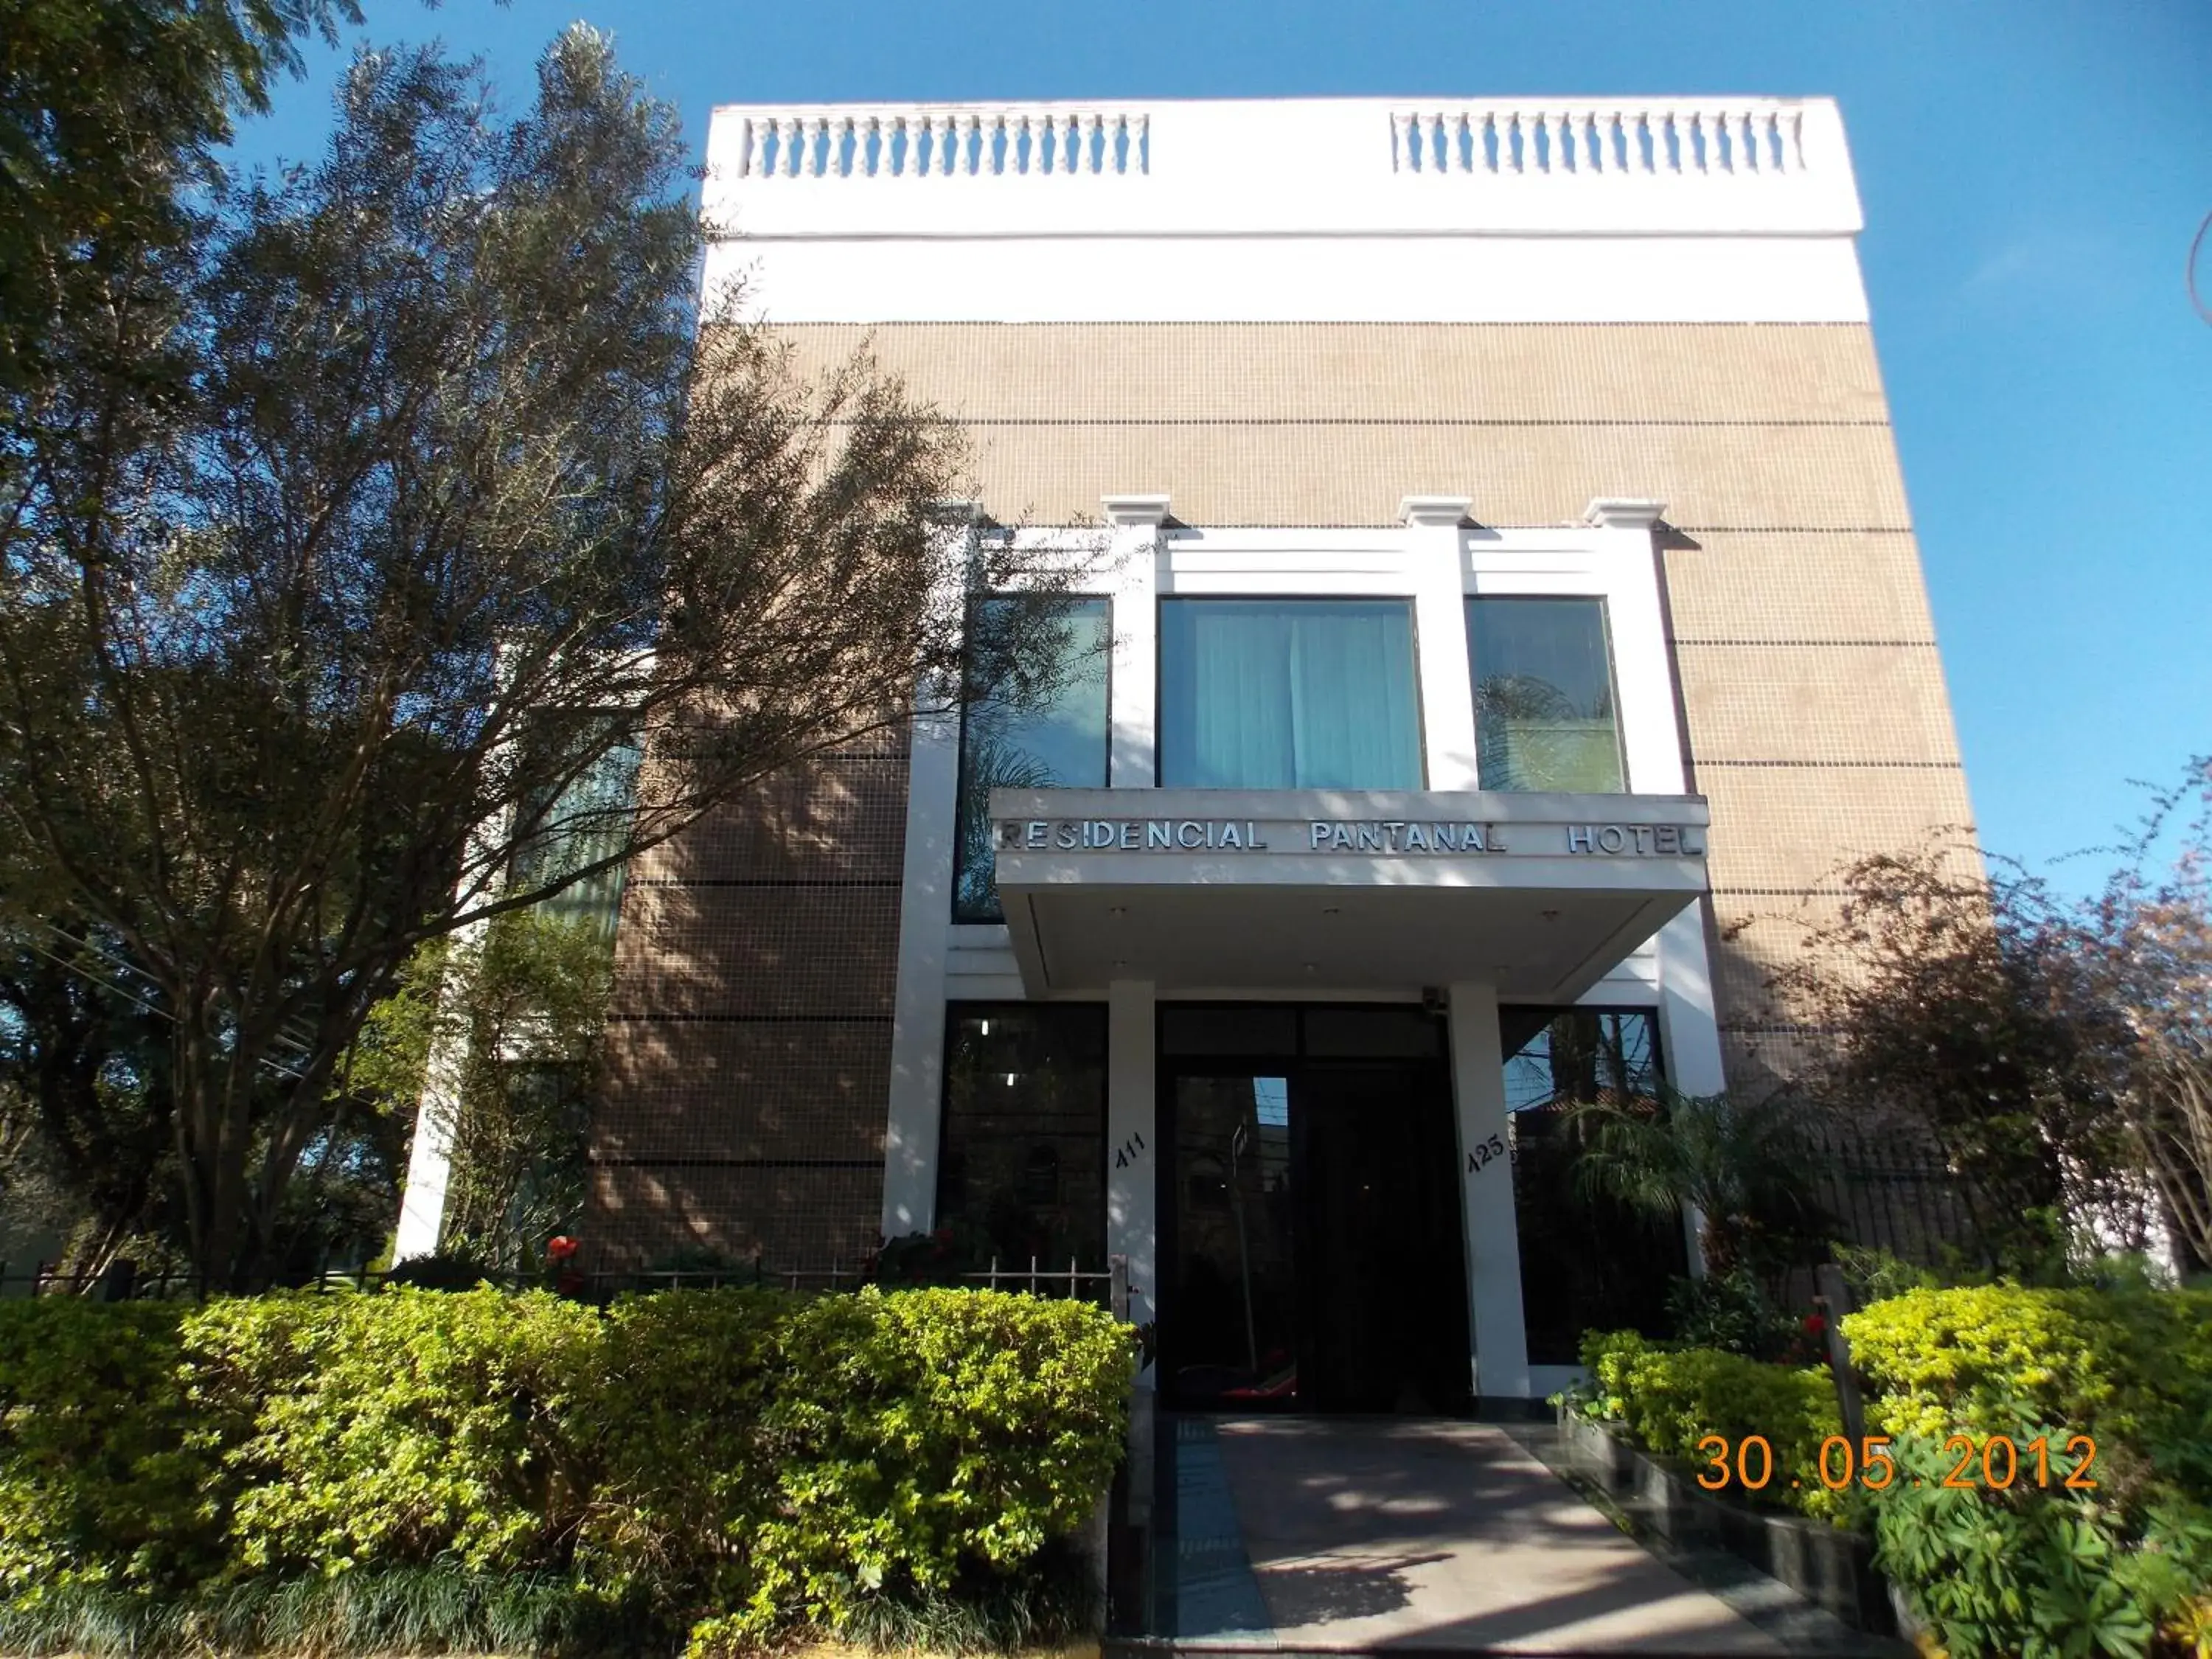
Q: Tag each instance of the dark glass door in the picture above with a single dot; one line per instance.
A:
(1234, 1333)
(1381, 1275)
(1310, 1232)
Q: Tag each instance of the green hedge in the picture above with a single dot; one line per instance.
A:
(2131, 1367)
(1669, 1399)
(745, 1457)
(2038, 1569)
(108, 1475)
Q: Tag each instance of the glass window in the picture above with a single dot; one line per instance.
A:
(1022, 1161)
(1373, 1033)
(1544, 707)
(1288, 693)
(1051, 735)
(587, 820)
(1229, 1029)
(1586, 1263)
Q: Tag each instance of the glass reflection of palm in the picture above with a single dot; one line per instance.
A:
(1539, 736)
(994, 761)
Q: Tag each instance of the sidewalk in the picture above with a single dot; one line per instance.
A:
(1368, 1534)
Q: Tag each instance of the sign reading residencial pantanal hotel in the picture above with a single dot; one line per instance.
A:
(1389, 835)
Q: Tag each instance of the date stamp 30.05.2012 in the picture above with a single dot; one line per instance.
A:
(1993, 1461)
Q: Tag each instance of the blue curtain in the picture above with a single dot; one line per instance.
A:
(1288, 693)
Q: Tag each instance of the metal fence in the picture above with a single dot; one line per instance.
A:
(123, 1282)
(1892, 1190)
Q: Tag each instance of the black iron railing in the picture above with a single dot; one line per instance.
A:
(122, 1281)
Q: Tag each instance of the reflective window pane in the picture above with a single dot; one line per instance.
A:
(1288, 693)
(1022, 1151)
(1372, 1033)
(1544, 707)
(1229, 1029)
(1587, 1263)
(1235, 1289)
(585, 821)
(1050, 735)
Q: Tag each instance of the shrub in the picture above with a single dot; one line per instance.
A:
(2001, 1578)
(105, 1475)
(340, 1471)
(401, 1427)
(2133, 1367)
(931, 1434)
(443, 1271)
(673, 1423)
(1729, 1311)
(2034, 1569)
(1669, 1399)
(2029, 1572)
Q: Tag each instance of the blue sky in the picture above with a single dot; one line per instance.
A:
(2032, 172)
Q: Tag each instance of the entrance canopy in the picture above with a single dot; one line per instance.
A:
(1233, 889)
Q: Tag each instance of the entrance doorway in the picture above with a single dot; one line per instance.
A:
(1310, 1232)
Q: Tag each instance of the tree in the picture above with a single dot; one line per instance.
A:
(109, 115)
(87, 1151)
(298, 667)
(1742, 1166)
(511, 1016)
(2056, 1054)
(1948, 1009)
(2146, 939)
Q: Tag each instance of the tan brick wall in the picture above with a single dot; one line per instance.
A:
(1818, 721)
(749, 1050)
(1146, 373)
(1780, 585)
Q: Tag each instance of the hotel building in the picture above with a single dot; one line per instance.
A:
(1502, 583)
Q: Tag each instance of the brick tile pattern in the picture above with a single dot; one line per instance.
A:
(749, 1054)
(758, 953)
(1149, 373)
(1777, 584)
(1754, 476)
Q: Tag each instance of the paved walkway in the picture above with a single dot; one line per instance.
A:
(1356, 1534)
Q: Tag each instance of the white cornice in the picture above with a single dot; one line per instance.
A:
(1134, 509)
(1437, 512)
(1623, 512)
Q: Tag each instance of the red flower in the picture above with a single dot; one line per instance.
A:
(562, 1248)
(1815, 1324)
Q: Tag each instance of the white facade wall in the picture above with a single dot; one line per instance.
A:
(1298, 210)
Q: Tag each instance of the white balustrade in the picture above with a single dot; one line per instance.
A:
(1750, 138)
(942, 143)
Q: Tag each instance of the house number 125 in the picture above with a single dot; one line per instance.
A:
(1484, 1155)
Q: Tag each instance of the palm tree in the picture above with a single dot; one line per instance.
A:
(1745, 1167)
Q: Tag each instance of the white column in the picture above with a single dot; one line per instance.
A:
(1485, 1173)
(1689, 1035)
(918, 1013)
(1436, 558)
(1132, 1064)
(1134, 682)
(916, 1104)
(1689, 1029)
(1688, 1032)
(1651, 735)
(1132, 1139)
(430, 1159)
